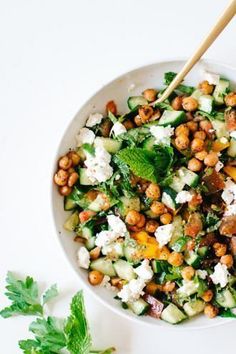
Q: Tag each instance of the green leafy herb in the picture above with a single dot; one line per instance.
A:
(24, 297)
(227, 313)
(124, 171)
(163, 105)
(112, 117)
(89, 148)
(212, 222)
(169, 77)
(50, 293)
(180, 243)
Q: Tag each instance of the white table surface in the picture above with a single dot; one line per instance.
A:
(53, 55)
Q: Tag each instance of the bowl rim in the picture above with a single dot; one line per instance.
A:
(84, 284)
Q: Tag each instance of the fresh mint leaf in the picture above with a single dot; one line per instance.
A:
(24, 297)
(227, 313)
(168, 77)
(164, 156)
(50, 293)
(78, 337)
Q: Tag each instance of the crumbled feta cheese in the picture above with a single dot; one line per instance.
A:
(183, 197)
(202, 274)
(223, 140)
(105, 283)
(229, 192)
(144, 271)
(132, 291)
(162, 134)
(230, 210)
(219, 166)
(118, 128)
(233, 134)
(98, 165)
(220, 275)
(83, 258)
(112, 249)
(117, 225)
(84, 136)
(212, 78)
(104, 238)
(94, 119)
(131, 87)
(163, 234)
(188, 288)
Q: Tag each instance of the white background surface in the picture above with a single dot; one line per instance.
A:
(53, 55)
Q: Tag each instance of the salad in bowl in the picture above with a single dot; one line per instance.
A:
(151, 197)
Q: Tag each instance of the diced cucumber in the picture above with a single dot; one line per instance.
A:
(205, 103)
(177, 230)
(110, 145)
(192, 259)
(72, 222)
(172, 118)
(157, 266)
(168, 198)
(115, 249)
(104, 266)
(196, 94)
(232, 148)
(84, 180)
(177, 184)
(193, 308)
(124, 270)
(86, 232)
(225, 299)
(202, 251)
(131, 252)
(135, 101)
(220, 91)
(149, 143)
(172, 314)
(188, 177)
(139, 307)
(80, 152)
(126, 204)
(97, 204)
(69, 204)
(90, 243)
(220, 128)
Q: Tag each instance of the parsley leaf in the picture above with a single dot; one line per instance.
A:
(24, 297)
(227, 313)
(50, 293)
(77, 333)
(169, 77)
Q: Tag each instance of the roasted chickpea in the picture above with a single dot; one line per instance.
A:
(158, 208)
(206, 88)
(74, 157)
(182, 142)
(95, 253)
(207, 295)
(197, 145)
(105, 127)
(151, 226)
(153, 191)
(192, 126)
(230, 99)
(128, 124)
(73, 178)
(168, 286)
(190, 104)
(95, 277)
(138, 121)
(111, 107)
(141, 222)
(156, 115)
(211, 311)
(92, 195)
(133, 217)
(201, 155)
(145, 112)
(65, 163)
(188, 273)
(150, 94)
(176, 103)
(175, 259)
(166, 218)
(117, 282)
(195, 201)
(220, 249)
(85, 215)
(227, 260)
(189, 116)
(65, 190)
(211, 159)
(200, 135)
(61, 177)
(190, 245)
(182, 129)
(206, 126)
(194, 165)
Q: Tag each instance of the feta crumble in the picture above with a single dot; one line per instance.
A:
(212, 78)
(163, 234)
(104, 238)
(85, 136)
(220, 275)
(98, 165)
(188, 288)
(219, 166)
(183, 197)
(105, 283)
(94, 119)
(230, 210)
(118, 128)
(233, 134)
(162, 134)
(83, 258)
(144, 271)
(202, 274)
(117, 225)
(117, 229)
(229, 192)
(132, 291)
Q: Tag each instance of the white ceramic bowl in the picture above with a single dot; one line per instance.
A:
(118, 89)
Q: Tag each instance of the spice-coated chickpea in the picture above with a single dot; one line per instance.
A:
(200, 134)
(138, 121)
(175, 259)
(158, 208)
(65, 162)
(182, 129)
(197, 145)
(151, 226)
(182, 142)
(188, 273)
(153, 191)
(176, 103)
(211, 159)
(227, 260)
(61, 177)
(206, 88)
(105, 127)
(74, 157)
(207, 295)
(128, 124)
(95, 277)
(73, 179)
(194, 165)
(133, 217)
(65, 190)
(95, 253)
(201, 155)
(206, 126)
(190, 104)
(192, 126)
(211, 311)
(141, 222)
(145, 112)
(168, 286)
(220, 249)
(195, 201)
(111, 107)
(150, 94)
(166, 218)
(230, 99)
